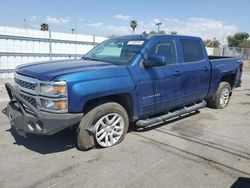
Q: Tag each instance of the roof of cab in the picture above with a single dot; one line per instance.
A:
(146, 36)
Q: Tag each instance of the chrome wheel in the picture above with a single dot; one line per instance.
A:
(109, 129)
(224, 97)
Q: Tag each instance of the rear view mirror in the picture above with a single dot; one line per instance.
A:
(155, 61)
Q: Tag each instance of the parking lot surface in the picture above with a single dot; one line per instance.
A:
(210, 148)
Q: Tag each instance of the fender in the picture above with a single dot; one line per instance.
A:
(83, 92)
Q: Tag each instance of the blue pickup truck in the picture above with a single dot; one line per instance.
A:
(143, 79)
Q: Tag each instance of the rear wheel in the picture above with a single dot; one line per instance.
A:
(105, 125)
(221, 97)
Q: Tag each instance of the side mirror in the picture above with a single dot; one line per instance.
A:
(155, 61)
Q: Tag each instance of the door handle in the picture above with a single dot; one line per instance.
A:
(177, 73)
(205, 68)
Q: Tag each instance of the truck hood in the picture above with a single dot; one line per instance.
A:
(48, 70)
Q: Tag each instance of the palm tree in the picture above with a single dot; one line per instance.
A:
(44, 27)
(133, 24)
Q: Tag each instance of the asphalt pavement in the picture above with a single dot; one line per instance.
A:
(210, 148)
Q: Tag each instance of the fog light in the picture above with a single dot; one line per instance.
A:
(10, 117)
(30, 126)
(39, 126)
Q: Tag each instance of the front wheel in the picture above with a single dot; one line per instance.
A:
(105, 125)
(221, 97)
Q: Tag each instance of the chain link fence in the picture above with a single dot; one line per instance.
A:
(244, 53)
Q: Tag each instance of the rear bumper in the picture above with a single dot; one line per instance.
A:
(27, 119)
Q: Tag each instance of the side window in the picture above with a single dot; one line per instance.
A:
(192, 50)
(165, 47)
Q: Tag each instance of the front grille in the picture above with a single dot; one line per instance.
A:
(27, 88)
(25, 84)
(30, 99)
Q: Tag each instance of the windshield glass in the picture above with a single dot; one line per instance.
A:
(115, 51)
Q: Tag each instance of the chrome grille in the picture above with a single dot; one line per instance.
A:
(29, 99)
(25, 84)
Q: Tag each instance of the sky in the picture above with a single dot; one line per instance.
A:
(207, 19)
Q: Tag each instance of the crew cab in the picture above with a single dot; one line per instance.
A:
(137, 78)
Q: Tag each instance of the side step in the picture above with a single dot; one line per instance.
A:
(185, 110)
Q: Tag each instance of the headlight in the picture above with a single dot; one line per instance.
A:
(60, 105)
(53, 88)
(53, 96)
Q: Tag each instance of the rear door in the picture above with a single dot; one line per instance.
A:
(195, 69)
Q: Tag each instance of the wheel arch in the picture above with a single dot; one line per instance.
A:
(124, 99)
(230, 78)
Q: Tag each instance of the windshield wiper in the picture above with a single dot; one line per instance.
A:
(87, 58)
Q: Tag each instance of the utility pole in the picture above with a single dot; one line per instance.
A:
(50, 46)
(24, 23)
(76, 40)
(74, 31)
(158, 25)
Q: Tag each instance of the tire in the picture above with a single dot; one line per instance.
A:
(99, 121)
(223, 91)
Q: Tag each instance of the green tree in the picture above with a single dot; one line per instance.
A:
(173, 32)
(238, 40)
(154, 32)
(133, 24)
(44, 27)
(213, 43)
(161, 32)
(231, 41)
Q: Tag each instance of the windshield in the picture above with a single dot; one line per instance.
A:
(115, 51)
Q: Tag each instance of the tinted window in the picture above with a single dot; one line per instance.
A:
(192, 50)
(165, 47)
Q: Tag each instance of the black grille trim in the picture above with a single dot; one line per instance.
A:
(25, 84)
(29, 99)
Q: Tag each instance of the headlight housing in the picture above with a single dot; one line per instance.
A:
(53, 89)
(54, 105)
(53, 96)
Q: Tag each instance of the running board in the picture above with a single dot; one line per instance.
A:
(185, 110)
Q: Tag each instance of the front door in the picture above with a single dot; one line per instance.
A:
(158, 86)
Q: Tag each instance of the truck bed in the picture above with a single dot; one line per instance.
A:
(221, 66)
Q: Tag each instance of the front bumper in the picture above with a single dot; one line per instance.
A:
(25, 118)
(238, 84)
